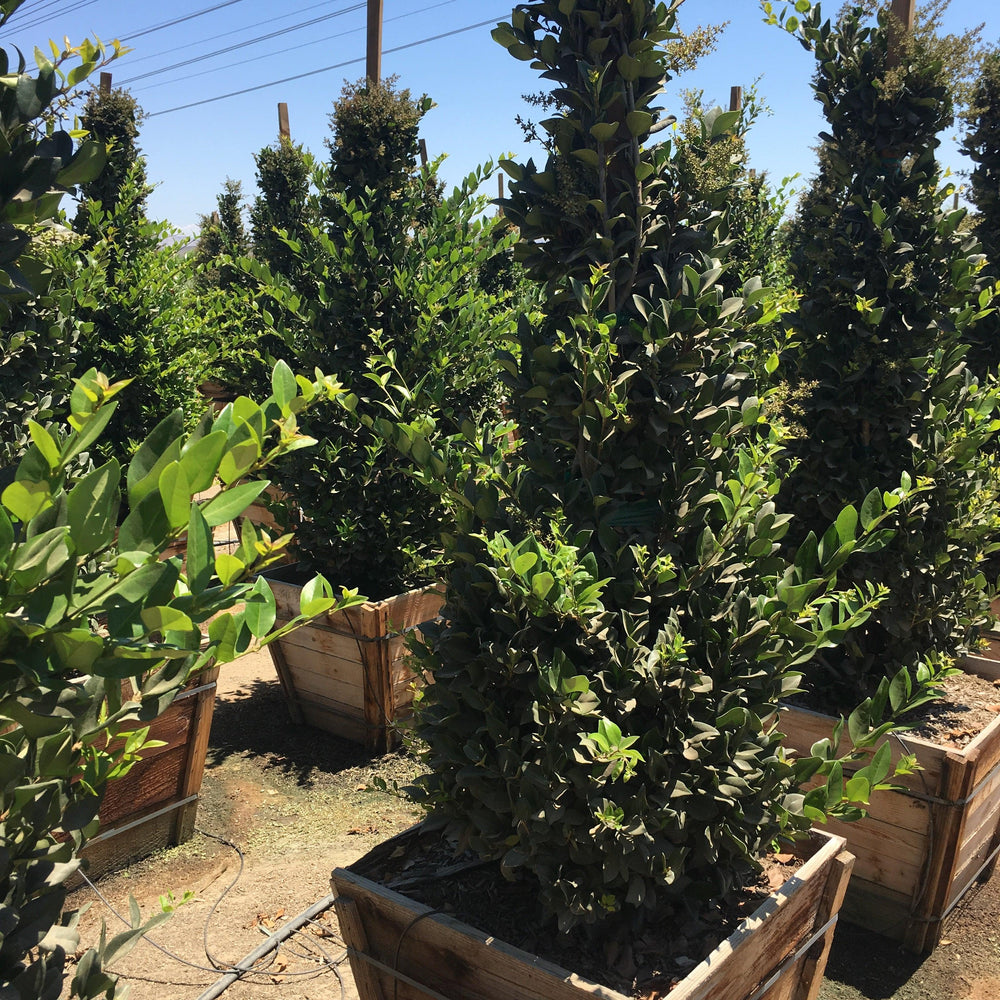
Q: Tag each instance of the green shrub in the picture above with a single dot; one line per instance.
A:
(889, 284)
(620, 626)
(86, 605)
(395, 269)
(136, 293)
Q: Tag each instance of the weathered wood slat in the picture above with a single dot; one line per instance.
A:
(951, 806)
(405, 944)
(366, 650)
(335, 678)
(341, 722)
(157, 799)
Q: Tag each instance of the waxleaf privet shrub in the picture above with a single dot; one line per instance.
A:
(889, 284)
(982, 145)
(66, 564)
(620, 625)
(391, 266)
(37, 167)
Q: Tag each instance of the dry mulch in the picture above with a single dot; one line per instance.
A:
(969, 705)
(645, 963)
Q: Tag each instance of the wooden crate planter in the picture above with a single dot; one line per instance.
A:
(155, 804)
(403, 950)
(919, 850)
(345, 673)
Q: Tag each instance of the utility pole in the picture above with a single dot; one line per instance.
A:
(283, 127)
(735, 98)
(374, 64)
(105, 84)
(901, 21)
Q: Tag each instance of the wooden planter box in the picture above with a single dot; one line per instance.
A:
(345, 672)
(155, 804)
(403, 950)
(919, 850)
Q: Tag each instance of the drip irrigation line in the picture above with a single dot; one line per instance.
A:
(271, 945)
(322, 69)
(244, 968)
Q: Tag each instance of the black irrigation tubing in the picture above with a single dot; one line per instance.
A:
(245, 967)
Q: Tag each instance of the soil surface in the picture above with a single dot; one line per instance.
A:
(969, 705)
(296, 803)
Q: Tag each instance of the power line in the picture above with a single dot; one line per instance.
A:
(180, 20)
(133, 59)
(295, 48)
(324, 69)
(35, 11)
(244, 44)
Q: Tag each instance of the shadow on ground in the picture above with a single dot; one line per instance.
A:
(874, 966)
(255, 722)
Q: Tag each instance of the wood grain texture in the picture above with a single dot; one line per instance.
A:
(161, 783)
(458, 961)
(919, 850)
(362, 652)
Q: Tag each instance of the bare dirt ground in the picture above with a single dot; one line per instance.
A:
(298, 803)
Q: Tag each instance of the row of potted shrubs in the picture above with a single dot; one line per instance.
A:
(635, 572)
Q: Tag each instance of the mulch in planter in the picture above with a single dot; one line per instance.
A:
(645, 962)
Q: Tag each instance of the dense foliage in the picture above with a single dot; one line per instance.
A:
(37, 167)
(98, 630)
(137, 296)
(113, 118)
(889, 284)
(65, 566)
(222, 234)
(388, 265)
(619, 625)
(982, 146)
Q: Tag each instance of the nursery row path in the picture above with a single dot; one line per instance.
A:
(295, 803)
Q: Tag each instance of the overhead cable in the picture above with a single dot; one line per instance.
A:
(242, 45)
(323, 69)
(295, 48)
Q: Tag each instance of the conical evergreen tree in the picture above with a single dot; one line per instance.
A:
(619, 623)
(889, 284)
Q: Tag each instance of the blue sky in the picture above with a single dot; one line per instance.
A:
(475, 84)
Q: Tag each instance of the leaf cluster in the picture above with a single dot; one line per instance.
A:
(890, 287)
(381, 265)
(99, 630)
(621, 623)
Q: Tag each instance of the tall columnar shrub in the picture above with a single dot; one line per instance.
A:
(619, 625)
(982, 146)
(282, 206)
(37, 167)
(222, 234)
(889, 284)
(114, 118)
(392, 267)
(136, 293)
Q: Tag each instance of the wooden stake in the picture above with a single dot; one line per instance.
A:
(901, 21)
(735, 98)
(105, 83)
(283, 127)
(374, 63)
